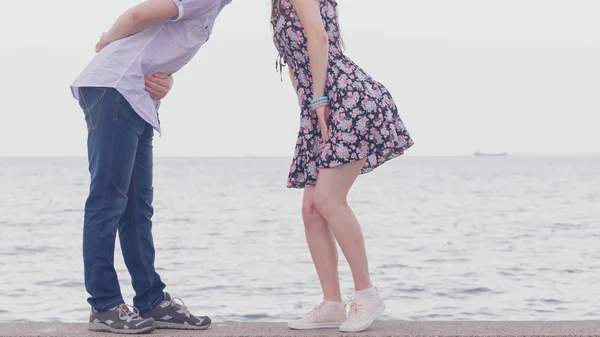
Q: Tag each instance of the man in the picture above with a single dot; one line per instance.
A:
(119, 92)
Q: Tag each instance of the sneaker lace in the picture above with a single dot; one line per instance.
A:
(178, 303)
(317, 310)
(355, 307)
(127, 314)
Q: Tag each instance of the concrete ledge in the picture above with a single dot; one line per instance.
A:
(379, 329)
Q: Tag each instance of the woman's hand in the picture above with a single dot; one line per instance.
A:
(323, 113)
(158, 85)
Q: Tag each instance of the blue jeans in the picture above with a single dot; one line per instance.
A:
(120, 198)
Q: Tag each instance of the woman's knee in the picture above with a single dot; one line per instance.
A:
(311, 217)
(308, 210)
(326, 203)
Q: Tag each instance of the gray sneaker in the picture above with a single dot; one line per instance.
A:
(173, 314)
(120, 319)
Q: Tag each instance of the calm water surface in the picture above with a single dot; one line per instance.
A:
(448, 238)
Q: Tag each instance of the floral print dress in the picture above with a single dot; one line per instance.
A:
(364, 120)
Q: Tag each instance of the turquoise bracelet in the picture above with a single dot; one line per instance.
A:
(319, 100)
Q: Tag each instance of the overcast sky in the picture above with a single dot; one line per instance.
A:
(521, 76)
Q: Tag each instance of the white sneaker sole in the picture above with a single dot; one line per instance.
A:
(105, 328)
(366, 325)
(313, 326)
(177, 326)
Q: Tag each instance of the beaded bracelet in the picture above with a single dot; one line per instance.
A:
(314, 104)
(314, 107)
(324, 98)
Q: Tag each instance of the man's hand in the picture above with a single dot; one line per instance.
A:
(158, 85)
(102, 43)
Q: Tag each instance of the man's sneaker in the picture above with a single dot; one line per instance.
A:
(323, 316)
(120, 319)
(173, 314)
(365, 307)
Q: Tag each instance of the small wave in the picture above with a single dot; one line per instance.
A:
(567, 225)
(485, 313)
(60, 284)
(181, 220)
(16, 293)
(478, 290)
(33, 249)
(68, 210)
(591, 314)
(397, 265)
(404, 297)
(545, 300)
(452, 296)
(435, 261)
(208, 289)
(445, 308)
(432, 317)
(511, 271)
(410, 290)
(542, 311)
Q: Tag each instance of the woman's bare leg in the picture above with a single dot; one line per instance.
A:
(322, 246)
(329, 197)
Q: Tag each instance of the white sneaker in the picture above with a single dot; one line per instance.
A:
(323, 316)
(365, 307)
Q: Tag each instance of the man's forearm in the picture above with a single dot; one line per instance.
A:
(140, 17)
(126, 25)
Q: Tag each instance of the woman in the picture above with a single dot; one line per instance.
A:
(349, 125)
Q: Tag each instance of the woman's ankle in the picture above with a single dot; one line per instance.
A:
(335, 299)
(334, 305)
(363, 285)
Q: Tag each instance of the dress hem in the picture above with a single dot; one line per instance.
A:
(394, 152)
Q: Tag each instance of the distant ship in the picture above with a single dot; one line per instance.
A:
(481, 154)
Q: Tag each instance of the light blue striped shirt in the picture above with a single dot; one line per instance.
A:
(162, 48)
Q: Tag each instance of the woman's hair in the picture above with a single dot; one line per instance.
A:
(275, 5)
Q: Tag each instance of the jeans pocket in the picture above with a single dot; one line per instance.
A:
(91, 101)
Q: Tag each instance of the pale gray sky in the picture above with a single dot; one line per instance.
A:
(521, 76)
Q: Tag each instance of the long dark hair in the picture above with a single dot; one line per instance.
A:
(275, 8)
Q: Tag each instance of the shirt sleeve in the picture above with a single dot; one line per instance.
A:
(193, 8)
